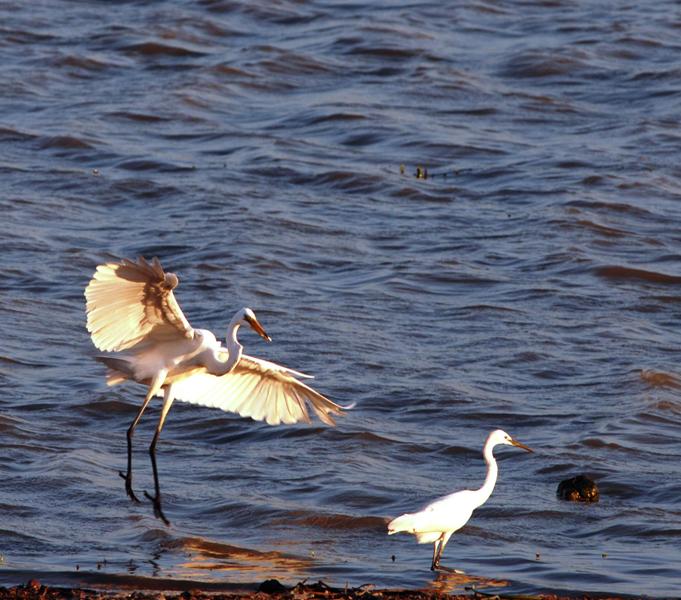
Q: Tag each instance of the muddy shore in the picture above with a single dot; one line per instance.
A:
(273, 590)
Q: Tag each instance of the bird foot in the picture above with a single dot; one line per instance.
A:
(128, 486)
(158, 511)
(450, 570)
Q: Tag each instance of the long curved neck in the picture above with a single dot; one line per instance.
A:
(486, 490)
(234, 349)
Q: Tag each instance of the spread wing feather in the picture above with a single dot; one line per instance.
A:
(258, 389)
(130, 302)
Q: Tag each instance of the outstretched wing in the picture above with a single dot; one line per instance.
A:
(129, 302)
(258, 389)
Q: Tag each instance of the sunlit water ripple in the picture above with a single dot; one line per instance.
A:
(531, 282)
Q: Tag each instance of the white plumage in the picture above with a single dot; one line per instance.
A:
(132, 311)
(436, 523)
(258, 389)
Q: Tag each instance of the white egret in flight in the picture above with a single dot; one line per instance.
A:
(440, 519)
(131, 310)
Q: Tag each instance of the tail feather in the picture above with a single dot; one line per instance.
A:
(409, 523)
(118, 369)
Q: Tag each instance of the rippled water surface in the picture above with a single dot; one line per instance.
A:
(267, 153)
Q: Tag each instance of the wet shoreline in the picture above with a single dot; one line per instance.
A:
(273, 590)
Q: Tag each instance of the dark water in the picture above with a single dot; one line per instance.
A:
(531, 282)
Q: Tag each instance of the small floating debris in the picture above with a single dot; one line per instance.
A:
(422, 172)
(578, 489)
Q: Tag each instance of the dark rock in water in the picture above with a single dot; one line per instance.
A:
(272, 586)
(578, 489)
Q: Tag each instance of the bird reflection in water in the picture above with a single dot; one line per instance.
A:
(206, 555)
(451, 581)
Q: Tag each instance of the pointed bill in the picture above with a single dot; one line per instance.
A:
(258, 328)
(521, 445)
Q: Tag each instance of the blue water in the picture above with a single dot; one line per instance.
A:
(267, 155)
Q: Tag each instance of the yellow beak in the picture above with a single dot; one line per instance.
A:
(521, 445)
(258, 328)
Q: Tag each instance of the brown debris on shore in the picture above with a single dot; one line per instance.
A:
(273, 590)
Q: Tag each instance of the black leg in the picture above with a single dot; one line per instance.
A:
(156, 498)
(437, 551)
(128, 475)
(436, 554)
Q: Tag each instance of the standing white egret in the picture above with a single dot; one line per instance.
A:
(131, 310)
(441, 518)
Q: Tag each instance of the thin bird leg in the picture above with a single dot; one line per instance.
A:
(156, 498)
(432, 563)
(441, 543)
(437, 550)
(153, 388)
